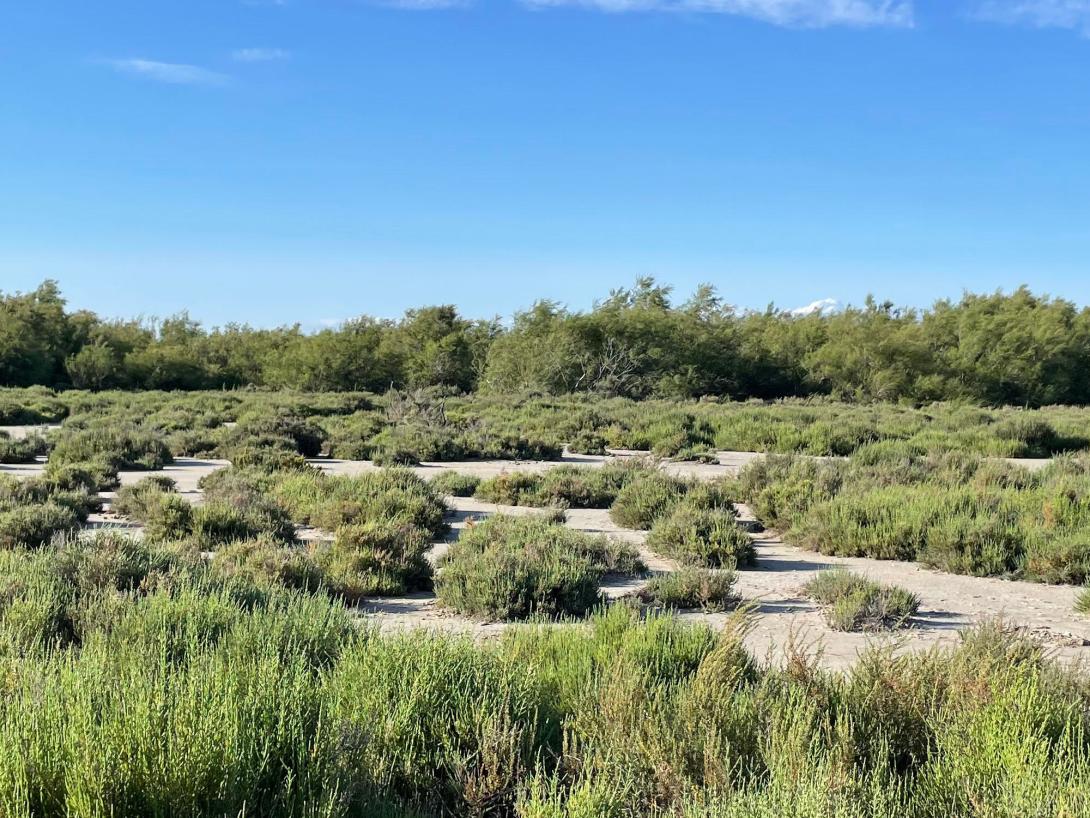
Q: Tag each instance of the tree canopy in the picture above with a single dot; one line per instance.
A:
(1016, 348)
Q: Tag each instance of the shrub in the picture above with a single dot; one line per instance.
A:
(588, 442)
(511, 489)
(455, 484)
(26, 450)
(1082, 601)
(854, 603)
(268, 563)
(120, 447)
(265, 458)
(217, 523)
(171, 518)
(283, 432)
(645, 499)
(329, 502)
(513, 567)
(35, 525)
(110, 561)
(93, 475)
(137, 499)
(377, 558)
(706, 538)
(691, 588)
(239, 500)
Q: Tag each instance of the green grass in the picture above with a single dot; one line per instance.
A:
(854, 603)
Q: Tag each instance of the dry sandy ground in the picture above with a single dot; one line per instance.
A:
(949, 602)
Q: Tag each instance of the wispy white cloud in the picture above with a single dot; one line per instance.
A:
(821, 305)
(794, 13)
(1072, 14)
(170, 72)
(259, 54)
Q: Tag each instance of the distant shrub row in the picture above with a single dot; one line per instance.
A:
(1016, 348)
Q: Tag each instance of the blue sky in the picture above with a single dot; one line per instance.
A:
(310, 160)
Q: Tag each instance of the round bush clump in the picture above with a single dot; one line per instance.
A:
(691, 588)
(646, 499)
(455, 484)
(515, 567)
(35, 525)
(854, 603)
(709, 538)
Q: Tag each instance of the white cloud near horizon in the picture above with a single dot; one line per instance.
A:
(259, 54)
(792, 13)
(819, 306)
(169, 72)
(1070, 14)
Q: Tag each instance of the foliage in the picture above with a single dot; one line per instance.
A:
(708, 538)
(514, 567)
(854, 603)
(1016, 348)
(136, 683)
(710, 590)
(454, 484)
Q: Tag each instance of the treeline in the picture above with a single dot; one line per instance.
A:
(1016, 348)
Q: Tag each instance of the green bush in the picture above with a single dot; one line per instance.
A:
(705, 538)
(454, 484)
(577, 487)
(644, 500)
(377, 558)
(267, 563)
(854, 603)
(691, 588)
(313, 498)
(136, 500)
(169, 519)
(94, 475)
(1082, 601)
(218, 523)
(26, 450)
(514, 567)
(35, 525)
(121, 447)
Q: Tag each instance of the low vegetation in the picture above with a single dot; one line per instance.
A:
(710, 590)
(226, 696)
(708, 538)
(516, 567)
(958, 513)
(854, 603)
(454, 484)
(24, 450)
(566, 486)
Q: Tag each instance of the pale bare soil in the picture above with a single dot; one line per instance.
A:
(780, 614)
